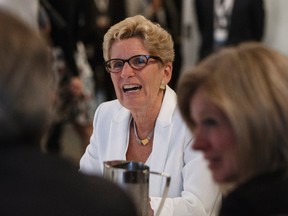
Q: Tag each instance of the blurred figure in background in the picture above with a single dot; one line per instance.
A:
(96, 18)
(235, 103)
(31, 182)
(168, 13)
(228, 22)
(76, 101)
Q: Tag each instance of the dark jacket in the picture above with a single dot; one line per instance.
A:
(246, 23)
(33, 183)
(265, 195)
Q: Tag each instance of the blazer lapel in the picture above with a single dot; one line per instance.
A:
(119, 134)
(162, 134)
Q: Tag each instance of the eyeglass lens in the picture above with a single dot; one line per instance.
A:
(136, 62)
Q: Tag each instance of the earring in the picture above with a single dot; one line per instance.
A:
(163, 85)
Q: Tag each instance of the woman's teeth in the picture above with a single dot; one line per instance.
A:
(129, 88)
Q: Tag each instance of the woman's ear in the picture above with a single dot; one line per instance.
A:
(167, 73)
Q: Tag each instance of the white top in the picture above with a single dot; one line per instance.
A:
(191, 192)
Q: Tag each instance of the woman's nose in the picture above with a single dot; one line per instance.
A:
(200, 141)
(127, 71)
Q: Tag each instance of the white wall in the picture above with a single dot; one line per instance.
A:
(190, 35)
(276, 31)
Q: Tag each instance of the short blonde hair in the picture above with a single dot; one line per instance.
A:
(156, 39)
(250, 84)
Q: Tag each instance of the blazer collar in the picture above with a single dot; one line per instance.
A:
(163, 130)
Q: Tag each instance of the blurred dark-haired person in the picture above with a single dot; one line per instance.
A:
(33, 183)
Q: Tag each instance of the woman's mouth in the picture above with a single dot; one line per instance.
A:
(213, 162)
(131, 88)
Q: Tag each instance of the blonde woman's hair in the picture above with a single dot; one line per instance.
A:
(156, 39)
(249, 83)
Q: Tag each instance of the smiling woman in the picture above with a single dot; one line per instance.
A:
(144, 123)
(235, 102)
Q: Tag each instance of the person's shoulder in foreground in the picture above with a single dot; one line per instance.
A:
(41, 184)
(33, 183)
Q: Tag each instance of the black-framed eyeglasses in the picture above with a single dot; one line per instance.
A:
(137, 62)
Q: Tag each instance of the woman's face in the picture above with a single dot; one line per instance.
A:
(138, 89)
(214, 136)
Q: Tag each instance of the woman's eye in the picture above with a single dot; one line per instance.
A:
(210, 122)
(118, 65)
(138, 61)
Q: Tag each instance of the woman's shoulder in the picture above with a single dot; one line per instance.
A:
(109, 106)
(110, 109)
(265, 194)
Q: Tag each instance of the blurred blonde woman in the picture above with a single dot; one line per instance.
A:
(235, 102)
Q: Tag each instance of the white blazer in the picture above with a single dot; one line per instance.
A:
(191, 192)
